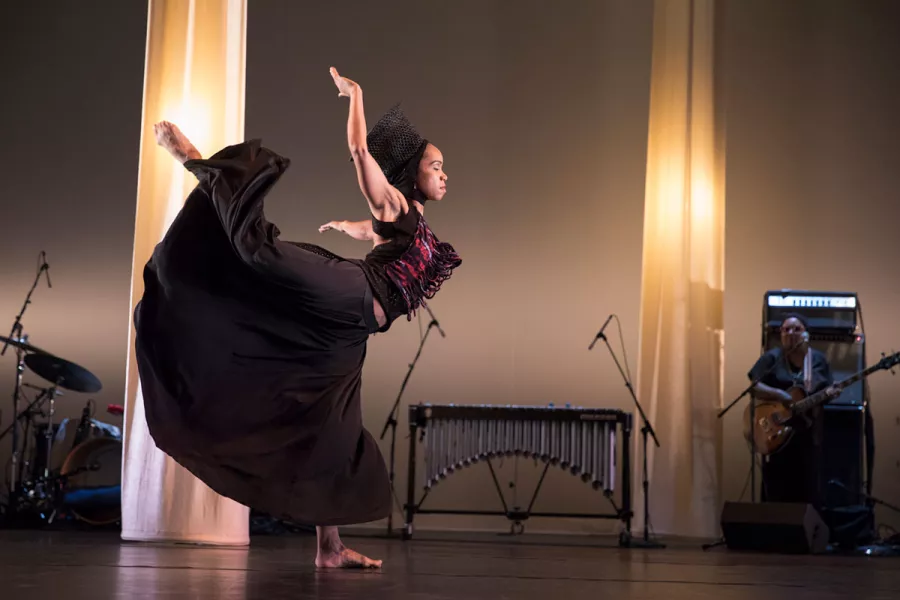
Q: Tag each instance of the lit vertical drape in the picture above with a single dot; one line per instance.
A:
(680, 369)
(194, 77)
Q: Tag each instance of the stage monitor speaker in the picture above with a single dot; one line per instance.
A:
(780, 527)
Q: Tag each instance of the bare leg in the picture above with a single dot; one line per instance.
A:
(334, 555)
(172, 139)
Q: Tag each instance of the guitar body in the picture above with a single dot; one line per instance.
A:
(774, 423)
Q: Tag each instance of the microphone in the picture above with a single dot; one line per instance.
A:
(600, 333)
(804, 339)
(46, 268)
(434, 321)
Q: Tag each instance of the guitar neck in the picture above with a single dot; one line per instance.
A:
(820, 397)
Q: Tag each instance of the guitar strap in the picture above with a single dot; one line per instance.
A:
(808, 371)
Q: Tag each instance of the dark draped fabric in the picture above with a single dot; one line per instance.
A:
(250, 353)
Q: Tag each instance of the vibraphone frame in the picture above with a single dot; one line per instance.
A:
(418, 418)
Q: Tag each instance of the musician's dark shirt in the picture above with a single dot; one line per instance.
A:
(777, 372)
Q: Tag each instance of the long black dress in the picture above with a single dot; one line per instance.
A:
(250, 351)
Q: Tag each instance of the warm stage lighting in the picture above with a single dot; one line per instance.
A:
(681, 365)
(193, 77)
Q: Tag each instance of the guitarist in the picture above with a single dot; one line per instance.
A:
(793, 473)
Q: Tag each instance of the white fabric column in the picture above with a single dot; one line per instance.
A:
(680, 370)
(194, 77)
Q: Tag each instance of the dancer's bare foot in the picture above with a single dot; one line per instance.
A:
(172, 139)
(345, 559)
(332, 553)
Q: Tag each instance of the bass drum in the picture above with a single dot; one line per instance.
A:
(93, 487)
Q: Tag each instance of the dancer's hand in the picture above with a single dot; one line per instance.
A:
(358, 230)
(336, 225)
(346, 87)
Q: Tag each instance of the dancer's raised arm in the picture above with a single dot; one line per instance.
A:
(385, 201)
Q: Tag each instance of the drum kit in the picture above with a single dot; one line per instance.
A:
(87, 484)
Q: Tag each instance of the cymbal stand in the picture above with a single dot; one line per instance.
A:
(35, 402)
(49, 432)
(17, 394)
(15, 333)
(15, 489)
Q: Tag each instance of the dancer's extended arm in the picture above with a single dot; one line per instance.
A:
(385, 201)
(358, 230)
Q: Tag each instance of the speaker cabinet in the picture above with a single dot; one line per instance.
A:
(779, 527)
(841, 462)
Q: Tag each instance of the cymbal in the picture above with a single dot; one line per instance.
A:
(23, 345)
(63, 373)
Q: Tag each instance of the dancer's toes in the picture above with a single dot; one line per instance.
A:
(170, 137)
(346, 559)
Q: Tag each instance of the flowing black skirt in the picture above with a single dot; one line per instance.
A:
(250, 353)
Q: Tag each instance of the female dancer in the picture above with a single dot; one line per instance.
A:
(250, 349)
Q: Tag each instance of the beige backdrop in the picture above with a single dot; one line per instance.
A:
(543, 117)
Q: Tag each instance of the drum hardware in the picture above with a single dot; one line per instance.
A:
(42, 492)
(87, 487)
(63, 373)
(91, 481)
(19, 339)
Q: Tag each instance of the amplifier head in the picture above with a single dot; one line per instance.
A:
(825, 311)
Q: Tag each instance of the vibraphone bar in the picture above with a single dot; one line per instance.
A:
(580, 440)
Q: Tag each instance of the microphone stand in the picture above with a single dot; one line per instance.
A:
(752, 419)
(392, 418)
(869, 497)
(15, 333)
(627, 540)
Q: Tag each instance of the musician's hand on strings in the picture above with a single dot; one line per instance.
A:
(832, 392)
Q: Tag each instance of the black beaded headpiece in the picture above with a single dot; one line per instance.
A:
(393, 141)
(397, 147)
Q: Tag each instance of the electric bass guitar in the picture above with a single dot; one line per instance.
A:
(774, 421)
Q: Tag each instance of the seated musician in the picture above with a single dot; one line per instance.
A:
(792, 474)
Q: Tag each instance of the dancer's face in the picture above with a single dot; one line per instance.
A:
(431, 179)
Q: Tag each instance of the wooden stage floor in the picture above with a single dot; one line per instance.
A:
(76, 565)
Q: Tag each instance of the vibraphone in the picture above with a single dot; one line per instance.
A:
(580, 440)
